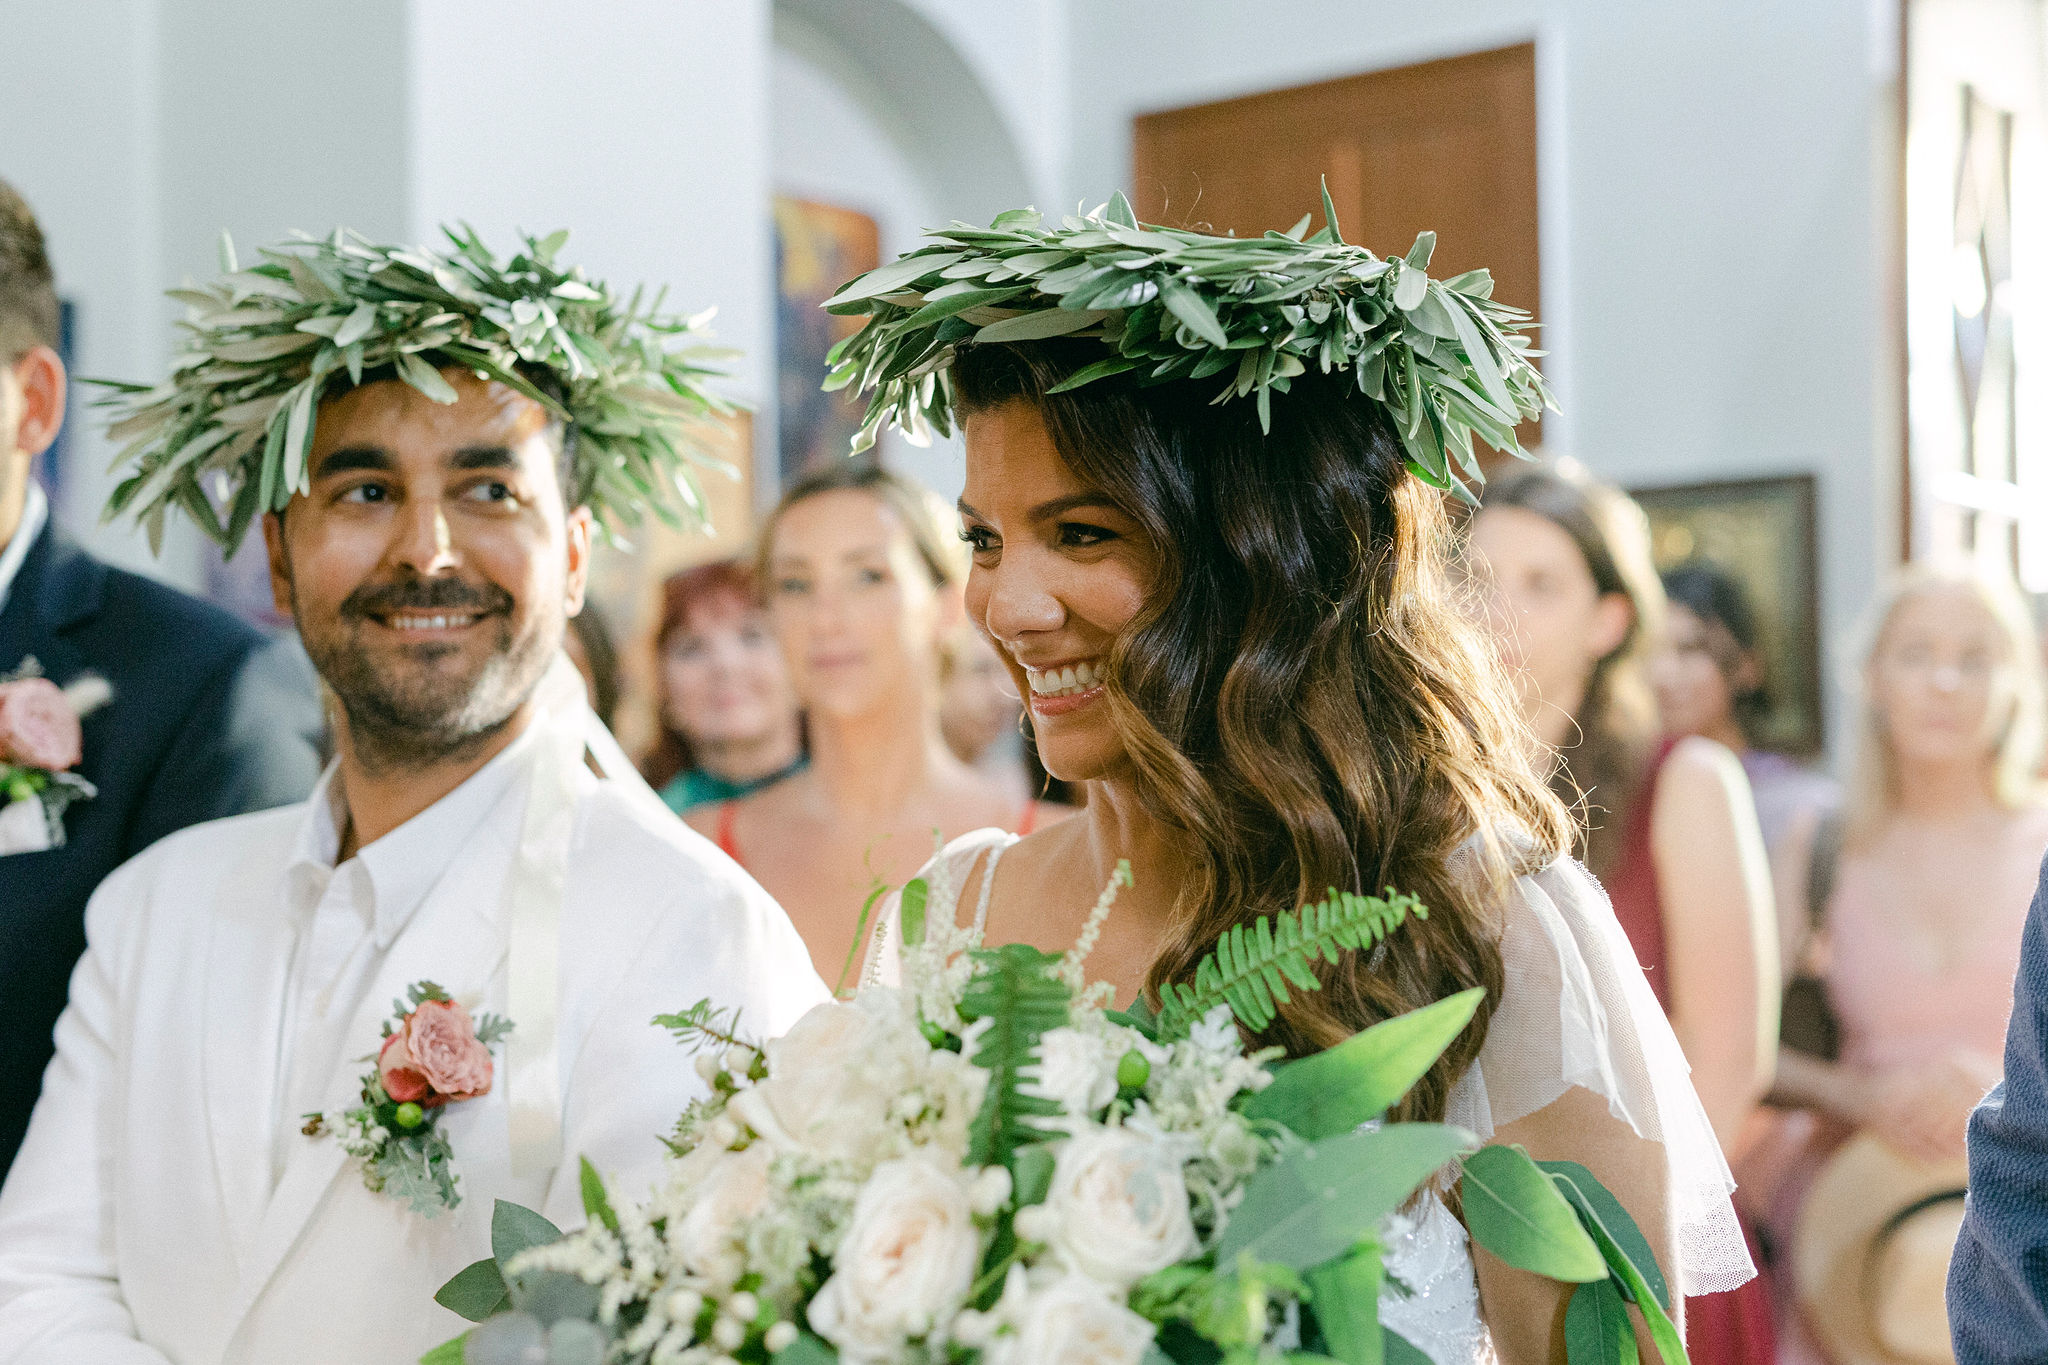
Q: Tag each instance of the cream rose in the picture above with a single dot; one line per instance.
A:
(1118, 1207)
(831, 1080)
(1073, 1321)
(1074, 1068)
(905, 1264)
(732, 1190)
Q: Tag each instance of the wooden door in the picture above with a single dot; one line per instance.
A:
(1447, 145)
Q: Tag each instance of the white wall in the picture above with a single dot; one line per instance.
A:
(1714, 181)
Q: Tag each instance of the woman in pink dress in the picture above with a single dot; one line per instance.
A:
(1917, 940)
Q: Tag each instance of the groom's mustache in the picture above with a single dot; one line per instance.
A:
(427, 594)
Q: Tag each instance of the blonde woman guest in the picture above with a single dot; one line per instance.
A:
(1670, 827)
(1918, 939)
(862, 592)
(729, 720)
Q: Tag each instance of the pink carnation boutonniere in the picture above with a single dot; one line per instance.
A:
(433, 1055)
(41, 740)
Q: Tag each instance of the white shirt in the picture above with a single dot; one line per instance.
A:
(345, 919)
(165, 1206)
(34, 513)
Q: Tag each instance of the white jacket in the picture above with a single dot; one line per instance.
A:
(139, 1224)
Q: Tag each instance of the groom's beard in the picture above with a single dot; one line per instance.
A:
(417, 704)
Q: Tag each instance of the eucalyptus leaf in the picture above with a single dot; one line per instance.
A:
(1321, 1198)
(1596, 1327)
(1513, 1210)
(516, 1228)
(1344, 1296)
(1336, 1090)
(475, 1292)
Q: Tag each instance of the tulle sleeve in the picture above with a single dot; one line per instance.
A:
(1577, 1011)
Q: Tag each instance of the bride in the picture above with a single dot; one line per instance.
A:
(1245, 644)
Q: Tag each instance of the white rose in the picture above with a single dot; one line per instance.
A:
(731, 1190)
(1118, 1206)
(1076, 1069)
(905, 1263)
(1073, 1321)
(831, 1080)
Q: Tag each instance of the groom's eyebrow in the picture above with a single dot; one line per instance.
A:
(353, 460)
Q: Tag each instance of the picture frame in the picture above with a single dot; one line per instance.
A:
(1763, 531)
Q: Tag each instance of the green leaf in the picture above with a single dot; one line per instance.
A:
(555, 1296)
(1411, 286)
(1193, 310)
(1514, 1211)
(448, 1352)
(1321, 1198)
(1596, 1327)
(894, 276)
(424, 377)
(1088, 374)
(1016, 989)
(475, 1292)
(1034, 1169)
(1048, 322)
(1419, 254)
(1118, 211)
(1345, 1297)
(1330, 213)
(1361, 1078)
(910, 911)
(595, 1204)
(806, 1350)
(515, 1228)
(1595, 1203)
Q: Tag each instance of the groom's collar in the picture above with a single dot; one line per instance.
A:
(404, 865)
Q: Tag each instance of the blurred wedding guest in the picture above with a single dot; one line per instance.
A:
(862, 594)
(729, 721)
(1709, 679)
(980, 714)
(1922, 884)
(203, 718)
(1564, 566)
(588, 643)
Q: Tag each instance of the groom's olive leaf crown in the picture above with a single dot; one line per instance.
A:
(226, 437)
(1447, 361)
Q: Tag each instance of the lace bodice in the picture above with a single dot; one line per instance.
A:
(1575, 1011)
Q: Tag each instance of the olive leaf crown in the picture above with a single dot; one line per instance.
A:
(1446, 361)
(227, 436)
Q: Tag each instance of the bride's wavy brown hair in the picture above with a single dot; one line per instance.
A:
(1303, 698)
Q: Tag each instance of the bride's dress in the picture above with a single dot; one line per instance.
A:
(1575, 1011)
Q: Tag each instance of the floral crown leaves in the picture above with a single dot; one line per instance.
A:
(227, 436)
(1446, 361)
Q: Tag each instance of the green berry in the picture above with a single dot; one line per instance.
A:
(1132, 1070)
(19, 788)
(410, 1116)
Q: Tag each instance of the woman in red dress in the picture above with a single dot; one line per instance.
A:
(1669, 825)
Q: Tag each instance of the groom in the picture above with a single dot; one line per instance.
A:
(477, 829)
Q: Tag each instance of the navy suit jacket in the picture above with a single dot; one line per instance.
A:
(1998, 1277)
(208, 718)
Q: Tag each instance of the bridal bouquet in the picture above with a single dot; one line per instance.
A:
(987, 1166)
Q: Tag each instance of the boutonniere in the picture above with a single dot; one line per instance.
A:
(40, 741)
(433, 1056)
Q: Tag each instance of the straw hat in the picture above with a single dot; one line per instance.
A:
(1870, 1255)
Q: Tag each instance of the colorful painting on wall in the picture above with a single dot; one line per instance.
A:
(818, 247)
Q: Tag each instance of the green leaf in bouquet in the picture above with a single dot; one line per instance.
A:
(555, 1296)
(1033, 1177)
(1514, 1211)
(910, 915)
(448, 1352)
(1320, 1198)
(1596, 1326)
(516, 1228)
(475, 1292)
(1015, 989)
(1398, 1350)
(806, 1350)
(1596, 1205)
(596, 1205)
(1336, 1090)
(1344, 1295)
(1252, 966)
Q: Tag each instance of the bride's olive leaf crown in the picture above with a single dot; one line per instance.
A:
(226, 437)
(1447, 361)
(988, 1166)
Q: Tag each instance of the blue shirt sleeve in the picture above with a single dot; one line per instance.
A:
(1998, 1277)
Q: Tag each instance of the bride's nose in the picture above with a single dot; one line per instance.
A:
(1014, 602)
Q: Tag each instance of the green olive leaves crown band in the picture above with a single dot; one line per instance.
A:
(227, 436)
(1446, 360)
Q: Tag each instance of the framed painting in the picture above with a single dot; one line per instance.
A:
(818, 247)
(1762, 531)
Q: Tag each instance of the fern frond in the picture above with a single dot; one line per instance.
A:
(1018, 990)
(706, 1025)
(1254, 968)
